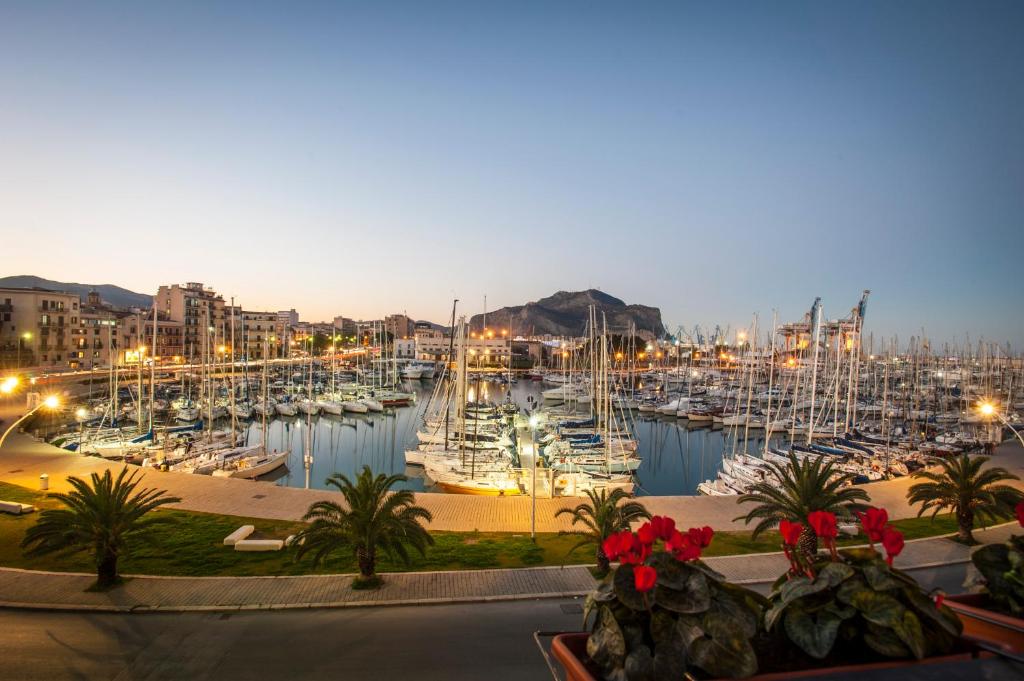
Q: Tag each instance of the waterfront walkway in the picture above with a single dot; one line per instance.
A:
(23, 459)
(52, 590)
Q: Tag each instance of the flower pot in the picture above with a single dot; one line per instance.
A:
(987, 627)
(571, 652)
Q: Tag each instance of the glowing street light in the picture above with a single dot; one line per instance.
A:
(8, 385)
(51, 402)
(989, 409)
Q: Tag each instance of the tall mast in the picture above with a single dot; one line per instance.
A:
(814, 368)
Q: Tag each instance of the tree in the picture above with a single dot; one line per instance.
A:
(106, 518)
(376, 519)
(602, 516)
(795, 489)
(967, 489)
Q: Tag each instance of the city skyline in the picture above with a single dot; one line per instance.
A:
(360, 161)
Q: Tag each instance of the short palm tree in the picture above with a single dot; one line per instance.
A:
(795, 489)
(603, 515)
(376, 518)
(105, 517)
(963, 486)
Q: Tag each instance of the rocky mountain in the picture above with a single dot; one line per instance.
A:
(565, 314)
(115, 295)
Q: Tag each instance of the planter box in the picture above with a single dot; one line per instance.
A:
(571, 651)
(988, 627)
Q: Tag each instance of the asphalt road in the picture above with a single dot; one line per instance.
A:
(474, 641)
(471, 641)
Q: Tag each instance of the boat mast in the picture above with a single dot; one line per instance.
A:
(814, 368)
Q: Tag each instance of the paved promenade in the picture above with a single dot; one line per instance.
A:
(23, 459)
(48, 590)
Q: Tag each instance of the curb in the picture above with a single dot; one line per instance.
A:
(142, 609)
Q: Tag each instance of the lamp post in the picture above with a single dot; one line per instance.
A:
(80, 416)
(50, 402)
(988, 409)
(533, 484)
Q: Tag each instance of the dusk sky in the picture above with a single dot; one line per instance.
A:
(711, 159)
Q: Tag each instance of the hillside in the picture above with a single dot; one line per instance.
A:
(565, 314)
(115, 295)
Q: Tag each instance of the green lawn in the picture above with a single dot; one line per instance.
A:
(190, 543)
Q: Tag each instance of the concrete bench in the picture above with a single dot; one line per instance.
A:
(15, 508)
(238, 535)
(259, 545)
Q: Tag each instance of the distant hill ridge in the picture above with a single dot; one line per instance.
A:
(115, 295)
(565, 314)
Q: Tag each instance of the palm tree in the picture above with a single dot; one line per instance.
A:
(797, 488)
(105, 518)
(602, 516)
(965, 488)
(376, 518)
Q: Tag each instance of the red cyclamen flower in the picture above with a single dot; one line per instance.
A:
(663, 527)
(790, 532)
(617, 544)
(646, 534)
(700, 536)
(644, 578)
(682, 547)
(823, 523)
(892, 540)
(874, 520)
(1020, 513)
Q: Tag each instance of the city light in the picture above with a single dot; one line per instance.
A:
(51, 402)
(986, 409)
(534, 422)
(81, 414)
(8, 385)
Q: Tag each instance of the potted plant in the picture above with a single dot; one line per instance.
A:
(851, 609)
(995, 617)
(662, 612)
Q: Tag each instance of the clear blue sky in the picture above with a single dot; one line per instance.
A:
(713, 159)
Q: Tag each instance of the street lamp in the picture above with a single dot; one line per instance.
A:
(534, 421)
(50, 402)
(988, 409)
(26, 337)
(8, 385)
(80, 415)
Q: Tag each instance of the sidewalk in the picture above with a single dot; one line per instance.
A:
(66, 591)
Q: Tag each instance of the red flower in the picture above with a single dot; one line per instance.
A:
(700, 536)
(663, 527)
(646, 534)
(682, 546)
(823, 523)
(939, 598)
(790, 532)
(1020, 513)
(892, 540)
(617, 544)
(874, 521)
(644, 578)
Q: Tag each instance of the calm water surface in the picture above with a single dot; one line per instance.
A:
(675, 458)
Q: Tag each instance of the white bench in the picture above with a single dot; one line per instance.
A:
(238, 535)
(259, 545)
(16, 508)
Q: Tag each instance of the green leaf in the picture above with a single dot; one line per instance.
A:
(908, 628)
(884, 641)
(625, 589)
(925, 608)
(878, 608)
(726, 606)
(814, 635)
(794, 589)
(606, 645)
(671, 572)
(726, 651)
(835, 574)
(670, 661)
(695, 596)
(640, 664)
(879, 577)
